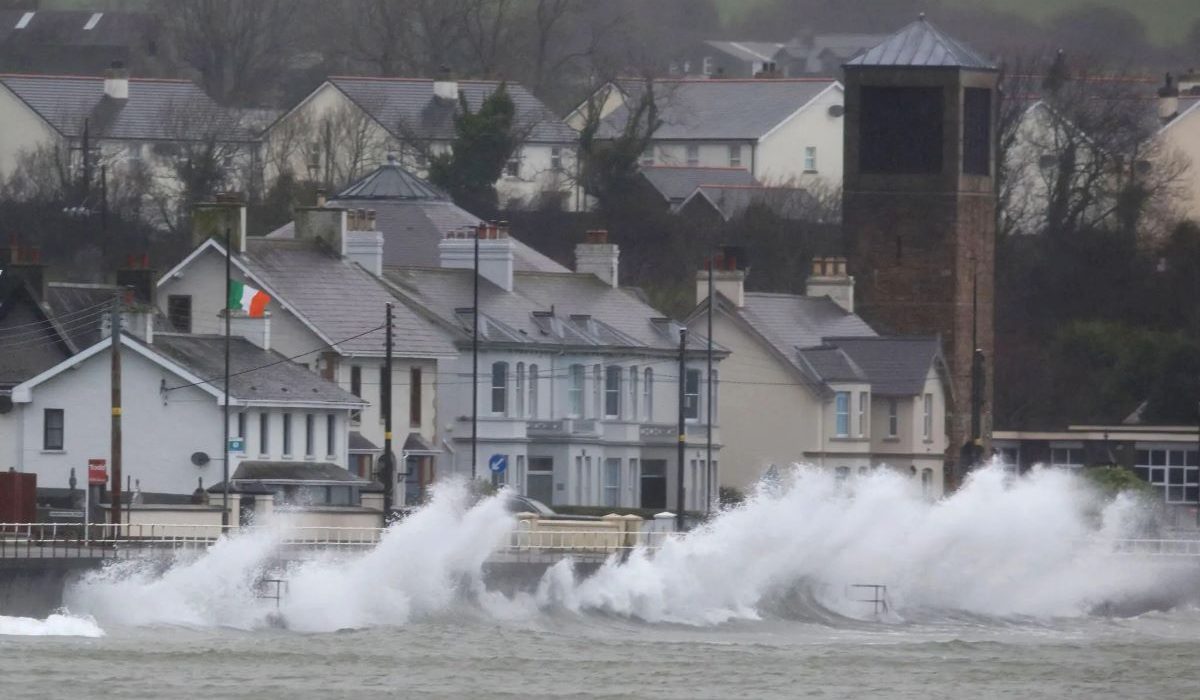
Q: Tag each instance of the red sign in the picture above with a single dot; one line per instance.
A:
(97, 472)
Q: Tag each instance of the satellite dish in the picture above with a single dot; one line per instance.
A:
(836, 110)
(199, 458)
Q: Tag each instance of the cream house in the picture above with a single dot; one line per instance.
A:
(1180, 135)
(348, 126)
(808, 381)
(783, 131)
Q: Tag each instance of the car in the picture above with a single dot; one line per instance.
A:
(525, 504)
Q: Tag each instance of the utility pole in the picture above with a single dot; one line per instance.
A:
(976, 371)
(475, 362)
(708, 446)
(679, 494)
(115, 380)
(389, 467)
(86, 188)
(225, 404)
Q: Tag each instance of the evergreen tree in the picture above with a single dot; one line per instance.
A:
(483, 142)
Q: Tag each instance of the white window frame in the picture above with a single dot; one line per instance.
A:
(556, 158)
(927, 425)
(810, 159)
(532, 403)
(893, 418)
(499, 390)
(576, 377)
(735, 155)
(691, 394)
(512, 166)
(611, 487)
(613, 374)
(692, 151)
(841, 414)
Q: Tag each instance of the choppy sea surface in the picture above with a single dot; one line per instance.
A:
(1003, 590)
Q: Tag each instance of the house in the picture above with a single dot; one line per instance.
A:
(1164, 456)
(577, 379)
(726, 59)
(727, 202)
(140, 128)
(808, 381)
(809, 54)
(327, 312)
(822, 54)
(1179, 135)
(347, 126)
(57, 412)
(783, 131)
(675, 183)
(80, 42)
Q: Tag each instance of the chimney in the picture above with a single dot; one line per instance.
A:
(1168, 100)
(363, 242)
(598, 257)
(457, 251)
(255, 330)
(140, 278)
(212, 219)
(830, 279)
(729, 277)
(323, 223)
(445, 87)
(116, 81)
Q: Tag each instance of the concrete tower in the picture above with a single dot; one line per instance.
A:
(919, 204)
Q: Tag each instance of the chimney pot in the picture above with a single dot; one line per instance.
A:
(321, 198)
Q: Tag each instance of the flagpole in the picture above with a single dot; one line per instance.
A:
(225, 407)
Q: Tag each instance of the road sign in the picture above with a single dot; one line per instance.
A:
(237, 444)
(97, 471)
(498, 463)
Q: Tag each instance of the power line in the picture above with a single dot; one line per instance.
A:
(60, 318)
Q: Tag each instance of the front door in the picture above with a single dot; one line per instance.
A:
(539, 482)
(654, 483)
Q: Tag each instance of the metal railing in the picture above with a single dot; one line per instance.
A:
(1158, 548)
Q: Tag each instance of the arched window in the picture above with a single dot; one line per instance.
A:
(520, 390)
(648, 396)
(533, 391)
(499, 388)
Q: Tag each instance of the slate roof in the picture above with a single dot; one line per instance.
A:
(556, 309)
(80, 308)
(254, 470)
(255, 374)
(31, 340)
(414, 217)
(676, 183)
(157, 109)
(895, 365)
(837, 46)
(831, 364)
(407, 107)
(792, 321)
(358, 443)
(731, 201)
(747, 50)
(66, 27)
(340, 298)
(719, 109)
(924, 45)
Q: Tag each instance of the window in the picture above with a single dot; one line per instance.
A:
(512, 168)
(893, 417)
(841, 412)
(1174, 472)
(287, 434)
(134, 151)
(612, 392)
(330, 435)
(356, 389)
(52, 429)
(310, 423)
(735, 155)
(900, 130)
(520, 391)
(977, 127)
(1069, 457)
(706, 65)
(648, 155)
(862, 413)
(633, 393)
(810, 159)
(597, 380)
(241, 425)
(612, 483)
(414, 397)
(927, 429)
(264, 438)
(179, 312)
(575, 392)
(691, 394)
(648, 395)
(556, 158)
(499, 388)
(693, 155)
(533, 391)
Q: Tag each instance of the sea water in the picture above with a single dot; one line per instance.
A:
(1005, 589)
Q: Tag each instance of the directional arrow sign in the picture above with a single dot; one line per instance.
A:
(498, 463)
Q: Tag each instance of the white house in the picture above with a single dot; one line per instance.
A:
(137, 127)
(348, 125)
(577, 377)
(808, 381)
(783, 131)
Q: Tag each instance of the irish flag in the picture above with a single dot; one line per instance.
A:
(243, 296)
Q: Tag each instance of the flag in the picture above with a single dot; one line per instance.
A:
(246, 298)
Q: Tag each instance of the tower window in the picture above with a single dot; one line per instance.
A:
(977, 128)
(900, 130)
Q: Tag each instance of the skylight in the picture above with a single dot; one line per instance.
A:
(93, 21)
(25, 20)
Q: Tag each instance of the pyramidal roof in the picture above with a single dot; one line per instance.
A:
(390, 181)
(922, 44)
